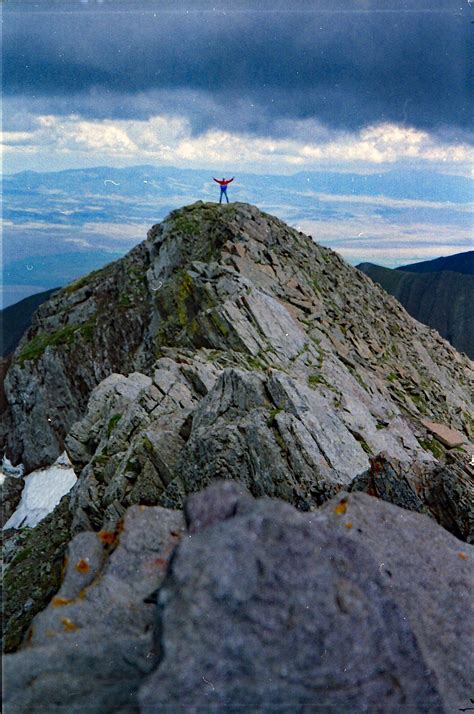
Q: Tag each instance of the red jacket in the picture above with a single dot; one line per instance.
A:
(224, 182)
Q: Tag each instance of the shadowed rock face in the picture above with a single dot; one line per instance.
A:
(443, 300)
(82, 334)
(228, 345)
(262, 608)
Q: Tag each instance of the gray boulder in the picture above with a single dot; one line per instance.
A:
(90, 648)
(347, 609)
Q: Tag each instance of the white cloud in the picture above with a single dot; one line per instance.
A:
(169, 140)
(81, 242)
(116, 231)
(37, 225)
(391, 202)
(370, 238)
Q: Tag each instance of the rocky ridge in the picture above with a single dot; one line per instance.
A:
(241, 289)
(229, 345)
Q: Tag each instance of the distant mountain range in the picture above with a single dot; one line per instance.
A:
(459, 263)
(439, 293)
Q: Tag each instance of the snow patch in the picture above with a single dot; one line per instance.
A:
(42, 492)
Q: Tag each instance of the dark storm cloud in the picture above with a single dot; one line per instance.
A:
(244, 70)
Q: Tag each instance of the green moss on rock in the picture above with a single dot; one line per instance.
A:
(82, 282)
(434, 446)
(114, 420)
(68, 335)
(272, 416)
(34, 574)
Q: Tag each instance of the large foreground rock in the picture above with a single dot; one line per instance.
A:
(359, 607)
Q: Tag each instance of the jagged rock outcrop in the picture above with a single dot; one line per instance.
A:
(349, 608)
(83, 333)
(129, 441)
(229, 345)
(444, 491)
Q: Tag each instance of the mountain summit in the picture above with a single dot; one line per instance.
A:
(230, 346)
(238, 288)
(251, 352)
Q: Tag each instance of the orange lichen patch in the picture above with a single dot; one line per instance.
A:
(107, 537)
(161, 562)
(462, 555)
(60, 601)
(341, 507)
(348, 525)
(82, 566)
(82, 594)
(69, 625)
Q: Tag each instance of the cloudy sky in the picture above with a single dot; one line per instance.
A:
(353, 85)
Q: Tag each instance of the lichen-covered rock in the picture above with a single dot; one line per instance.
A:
(359, 606)
(90, 648)
(348, 609)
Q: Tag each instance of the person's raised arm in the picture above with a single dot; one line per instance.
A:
(230, 180)
(216, 180)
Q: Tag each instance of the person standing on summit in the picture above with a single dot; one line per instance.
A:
(223, 184)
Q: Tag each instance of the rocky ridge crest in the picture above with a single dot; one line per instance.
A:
(228, 345)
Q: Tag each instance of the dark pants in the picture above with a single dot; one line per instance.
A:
(224, 193)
